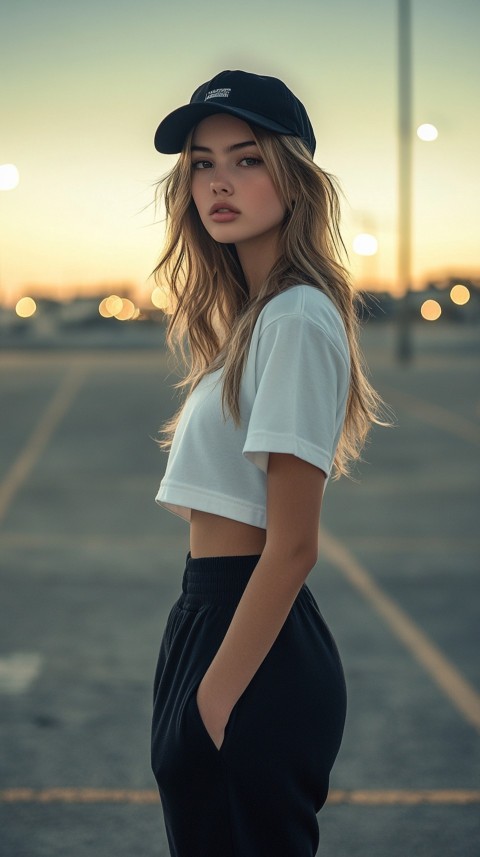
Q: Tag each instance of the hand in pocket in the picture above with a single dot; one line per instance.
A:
(213, 721)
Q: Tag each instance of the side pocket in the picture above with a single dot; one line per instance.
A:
(202, 729)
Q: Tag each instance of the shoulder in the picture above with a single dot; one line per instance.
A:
(302, 305)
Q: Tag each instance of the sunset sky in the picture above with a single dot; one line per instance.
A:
(84, 85)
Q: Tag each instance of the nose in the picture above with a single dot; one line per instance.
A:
(221, 185)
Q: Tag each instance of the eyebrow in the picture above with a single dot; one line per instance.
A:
(228, 149)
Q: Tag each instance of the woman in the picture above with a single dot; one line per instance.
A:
(249, 695)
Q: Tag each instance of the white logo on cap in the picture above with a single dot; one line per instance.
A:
(218, 93)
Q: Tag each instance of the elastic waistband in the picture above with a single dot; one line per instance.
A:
(217, 578)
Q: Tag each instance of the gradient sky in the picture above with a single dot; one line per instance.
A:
(84, 85)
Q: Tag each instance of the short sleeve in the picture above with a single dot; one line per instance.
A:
(301, 382)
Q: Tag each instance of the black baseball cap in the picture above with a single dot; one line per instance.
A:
(255, 98)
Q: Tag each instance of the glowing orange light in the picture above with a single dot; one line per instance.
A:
(365, 244)
(427, 132)
(127, 310)
(9, 177)
(113, 304)
(159, 298)
(25, 307)
(431, 310)
(460, 294)
(102, 308)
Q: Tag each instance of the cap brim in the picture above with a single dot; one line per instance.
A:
(172, 131)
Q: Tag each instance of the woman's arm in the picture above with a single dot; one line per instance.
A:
(294, 498)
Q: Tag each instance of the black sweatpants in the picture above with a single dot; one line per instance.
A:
(259, 794)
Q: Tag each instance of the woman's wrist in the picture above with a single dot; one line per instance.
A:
(212, 703)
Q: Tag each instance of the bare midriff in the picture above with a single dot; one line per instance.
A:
(214, 535)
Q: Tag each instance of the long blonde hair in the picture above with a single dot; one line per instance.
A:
(209, 299)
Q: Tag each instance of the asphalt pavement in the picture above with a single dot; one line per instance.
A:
(90, 567)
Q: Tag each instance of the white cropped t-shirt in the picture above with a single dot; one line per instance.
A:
(293, 398)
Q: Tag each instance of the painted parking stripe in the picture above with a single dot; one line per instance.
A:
(400, 797)
(34, 541)
(435, 415)
(460, 693)
(18, 670)
(53, 413)
(363, 797)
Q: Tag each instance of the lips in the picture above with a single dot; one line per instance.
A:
(219, 206)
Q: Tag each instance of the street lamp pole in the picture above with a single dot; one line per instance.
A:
(404, 344)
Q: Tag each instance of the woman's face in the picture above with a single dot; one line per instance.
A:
(234, 178)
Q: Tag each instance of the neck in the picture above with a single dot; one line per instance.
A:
(257, 257)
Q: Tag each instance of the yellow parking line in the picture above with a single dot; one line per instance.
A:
(55, 410)
(435, 415)
(364, 797)
(401, 797)
(33, 541)
(461, 694)
(116, 359)
(428, 543)
(76, 795)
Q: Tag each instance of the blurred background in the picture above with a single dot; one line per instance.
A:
(90, 566)
(83, 88)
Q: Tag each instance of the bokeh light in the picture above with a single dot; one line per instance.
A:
(9, 176)
(121, 308)
(102, 308)
(460, 294)
(159, 298)
(25, 307)
(427, 132)
(365, 244)
(431, 310)
(113, 304)
(127, 310)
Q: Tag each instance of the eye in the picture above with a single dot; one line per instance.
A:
(251, 158)
(199, 164)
